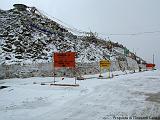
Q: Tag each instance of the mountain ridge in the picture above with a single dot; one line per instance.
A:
(27, 36)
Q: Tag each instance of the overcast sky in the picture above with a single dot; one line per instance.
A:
(108, 17)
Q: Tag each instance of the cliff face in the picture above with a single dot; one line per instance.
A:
(26, 35)
(28, 40)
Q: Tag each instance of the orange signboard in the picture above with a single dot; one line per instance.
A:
(64, 59)
(150, 65)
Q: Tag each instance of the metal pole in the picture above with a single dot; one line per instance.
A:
(54, 76)
(75, 80)
(53, 64)
(75, 49)
(153, 58)
(109, 72)
(100, 71)
(74, 71)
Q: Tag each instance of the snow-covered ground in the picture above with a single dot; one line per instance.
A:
(131, 96)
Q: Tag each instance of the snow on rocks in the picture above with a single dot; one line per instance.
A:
(28, 37)
(31, 34)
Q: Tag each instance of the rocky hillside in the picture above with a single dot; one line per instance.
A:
(27, 36)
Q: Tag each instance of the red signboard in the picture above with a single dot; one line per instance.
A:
(64, 59)
(150, 65)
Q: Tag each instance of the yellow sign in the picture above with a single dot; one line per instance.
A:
(105, 64)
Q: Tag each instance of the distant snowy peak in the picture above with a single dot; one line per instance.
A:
(26, 35)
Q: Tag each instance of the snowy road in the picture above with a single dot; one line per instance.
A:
(132, 96)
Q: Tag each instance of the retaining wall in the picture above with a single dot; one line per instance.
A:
(47, 70)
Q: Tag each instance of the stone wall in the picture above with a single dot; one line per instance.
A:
(27, 70)
(47, 70)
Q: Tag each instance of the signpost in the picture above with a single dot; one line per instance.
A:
(105, 64)
(150, 66)
(126, 51)
(64, 59)
(108, 57)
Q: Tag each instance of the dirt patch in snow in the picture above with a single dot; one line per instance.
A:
(153, 97)
(2, 87)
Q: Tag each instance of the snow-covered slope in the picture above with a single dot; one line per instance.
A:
(133, 95)
(27, 35)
